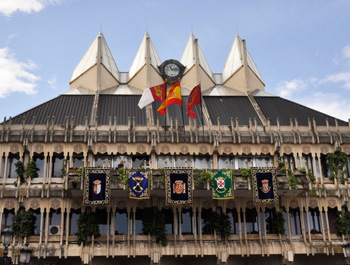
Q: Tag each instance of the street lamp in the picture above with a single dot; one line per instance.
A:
(346, 247)
(24, 255)
(6, 240)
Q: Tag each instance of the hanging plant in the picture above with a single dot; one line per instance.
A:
(23, 223)
(203, 176)
(123, 177)
(87, 226)
(343, 223)
(32, 170)
(220, 223)
(309, 174)
(337, 162)
(20, 171)
(278, 223)
(64, 168)
(246, 173)
(81, 173)
(153, 223)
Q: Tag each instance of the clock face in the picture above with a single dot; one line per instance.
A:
(171, 70)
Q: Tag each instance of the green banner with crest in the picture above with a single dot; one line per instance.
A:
(222, 184)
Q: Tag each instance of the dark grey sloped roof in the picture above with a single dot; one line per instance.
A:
(227, 107)
(176, 110)
(121, 106)
(78, 106)
(276, 107)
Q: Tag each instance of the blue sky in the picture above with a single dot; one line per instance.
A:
(302, 48)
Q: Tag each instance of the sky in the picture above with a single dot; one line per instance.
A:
(302, 48)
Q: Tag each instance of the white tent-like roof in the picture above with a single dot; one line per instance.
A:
(235, 61)
(188, 58)
(90, 59)
(141, 57)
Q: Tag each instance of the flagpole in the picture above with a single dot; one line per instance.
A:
(183, 119)
(200, 90)
(166, 112)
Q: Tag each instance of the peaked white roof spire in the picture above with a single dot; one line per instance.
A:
(235, 61)
(90, 59)
(141, 56)
(188, 58)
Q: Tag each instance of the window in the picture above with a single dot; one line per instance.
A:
(233, 216)
(187, 221)
(103, 161)
(169, 220)
(138, 221)
(78, 160)
(332, 216)
(202, 162)
(57, 165)
(251, 221)
(263, 161)
(289, 160)
(205, 217)
(11, 165)
(101, 215)
(73, 222)
(325, 166)
(244, 162)
(314, 221)
(164, 161)
(183, 161)
(295, 223)
(121, 222)
(55, 217)
(226, 162)
(37, 216)
(7, 217)
(269, 220)
(39, 159)
(137, 161)
(2, 168)
(307, 159)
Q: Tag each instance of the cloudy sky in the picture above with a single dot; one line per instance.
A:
(302, 48)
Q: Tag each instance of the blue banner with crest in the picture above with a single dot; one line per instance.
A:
(265, 185)
(139, 183)
(97, 186)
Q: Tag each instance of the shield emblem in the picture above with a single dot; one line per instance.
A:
(179, 187)
(220, 182)
(97, 186)
(265, 187)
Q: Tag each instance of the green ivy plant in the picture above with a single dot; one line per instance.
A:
(246, 173)
(81, 173)
(220, 223)
(20, 171)
(337, 162)
(309, 174)
(153, 223)
(64, 168)
(32, 170)
(123, 177)
(343, 223)
(203, 176)
(23, 223)
(87, 226)
(291, 177)
(278, 223)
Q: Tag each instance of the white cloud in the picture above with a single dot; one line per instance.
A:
(52, 82)
(287, 88)
(14, 75)
(338, 78)
(8, 7)
(329, 103)
(346, 52)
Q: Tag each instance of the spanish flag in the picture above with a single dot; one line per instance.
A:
(173, 96)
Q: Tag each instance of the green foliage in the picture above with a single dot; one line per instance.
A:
(20, 170)
(81, 173)
(64, 168)
(87, 226)
(281, 164)
(123, 177)
(246, 173)
(23, 223)
(343, 223)
(203, 176)
(291, 179)
(337, 162)
(32, 170)
(278, 223)
(153, 223)
(220, 223)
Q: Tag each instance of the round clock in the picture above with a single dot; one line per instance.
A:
(171, 70)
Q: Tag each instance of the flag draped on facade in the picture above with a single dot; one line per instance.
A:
(173, 97)
(222, 184)
(139, 184)
(194, 98)
(155, 93)
(265, 185)
(178, 185)
(97, 186)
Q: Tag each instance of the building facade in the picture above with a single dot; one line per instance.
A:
(97, 123)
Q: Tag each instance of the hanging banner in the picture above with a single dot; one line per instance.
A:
(97, 186)
(222, 184)
(265, 185)
(139, 183)
(178, 185)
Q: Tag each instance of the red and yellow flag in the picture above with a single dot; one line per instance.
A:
(173, 96)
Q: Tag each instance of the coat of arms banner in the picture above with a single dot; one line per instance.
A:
(139, 183)
(222, 184)
(178, 185)
(97, 186)
(265, 185)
